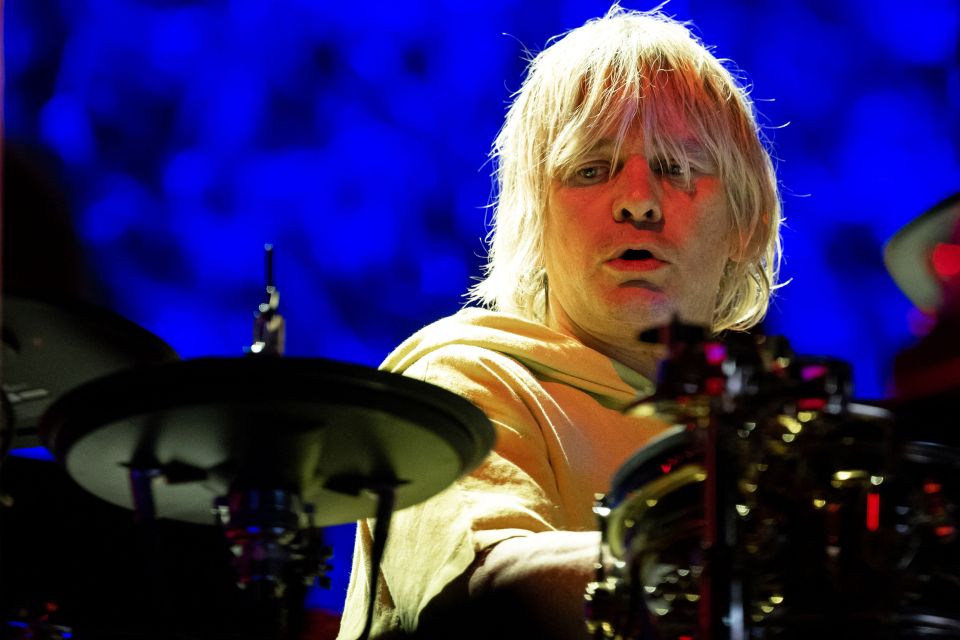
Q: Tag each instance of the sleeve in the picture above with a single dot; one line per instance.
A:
(512, 493)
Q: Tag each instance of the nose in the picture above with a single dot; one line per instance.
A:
(639, 213)
(638, 202)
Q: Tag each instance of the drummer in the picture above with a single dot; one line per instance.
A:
(633, 185)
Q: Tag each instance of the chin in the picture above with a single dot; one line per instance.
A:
(644, 309)
(640, 317)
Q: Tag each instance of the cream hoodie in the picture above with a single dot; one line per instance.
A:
(555, 405)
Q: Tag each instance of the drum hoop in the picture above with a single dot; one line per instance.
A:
(638, 502)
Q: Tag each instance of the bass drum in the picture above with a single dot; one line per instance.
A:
(841, 529)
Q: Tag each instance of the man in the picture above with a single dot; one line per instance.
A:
(633, 187)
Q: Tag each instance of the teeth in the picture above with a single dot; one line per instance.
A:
(636, 254)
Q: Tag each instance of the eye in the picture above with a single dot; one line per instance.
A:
(668, 167)
(590, 174)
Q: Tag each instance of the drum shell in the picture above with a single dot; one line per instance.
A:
(840, 528)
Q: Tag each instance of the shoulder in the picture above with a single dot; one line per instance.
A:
(489, 330)
(470, 348)
(477, 373)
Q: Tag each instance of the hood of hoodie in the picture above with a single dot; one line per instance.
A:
(550, 355)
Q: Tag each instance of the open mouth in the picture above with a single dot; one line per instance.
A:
(636, 254)
(635, 260)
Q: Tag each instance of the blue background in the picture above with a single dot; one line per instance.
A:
(354, 136)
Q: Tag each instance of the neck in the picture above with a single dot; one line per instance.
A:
(644, 358)
(626, 349)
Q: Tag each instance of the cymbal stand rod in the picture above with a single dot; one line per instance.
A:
(268, 264)
(386, 497)
(147, 542)
(722, 613)
(141, 485)
(268, 325)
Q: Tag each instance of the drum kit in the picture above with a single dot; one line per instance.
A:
(775, 507)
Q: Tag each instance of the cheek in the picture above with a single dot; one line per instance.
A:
(563, 225)
(578, 214)
(554, 231)
(713, 228)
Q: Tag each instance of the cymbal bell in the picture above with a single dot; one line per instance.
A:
(907, 254)
(329, 431)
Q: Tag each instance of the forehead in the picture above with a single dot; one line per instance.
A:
(661, 110)
(637, 135)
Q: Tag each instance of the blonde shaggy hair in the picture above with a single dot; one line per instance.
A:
(596, 82)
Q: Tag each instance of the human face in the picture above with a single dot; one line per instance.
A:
(629, 243)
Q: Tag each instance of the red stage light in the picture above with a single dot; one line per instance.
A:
(873, 511)
(932, 487)
(715, 386)
(811, 404)
(946, 259)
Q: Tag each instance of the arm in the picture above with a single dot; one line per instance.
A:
(528, 587)
(545, 573)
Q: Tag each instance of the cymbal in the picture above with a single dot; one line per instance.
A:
(327, 430)
(51, 346)
(907, 253)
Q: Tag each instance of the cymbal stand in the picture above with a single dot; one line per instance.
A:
(142, 471)
(278, 553)
(694, 386)
(268, 333)
(33, 624)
